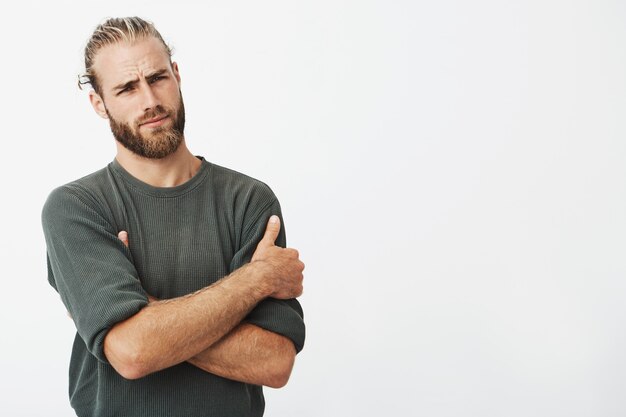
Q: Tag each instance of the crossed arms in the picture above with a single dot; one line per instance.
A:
(205, 328)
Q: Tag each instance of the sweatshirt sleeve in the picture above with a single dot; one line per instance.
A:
(284, 317)
(89, 266)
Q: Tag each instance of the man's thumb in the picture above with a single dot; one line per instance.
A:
(272, 230)
(123, 236)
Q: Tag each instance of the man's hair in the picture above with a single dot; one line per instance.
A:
(110, 32)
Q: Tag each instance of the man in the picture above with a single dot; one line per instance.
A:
(173, 269)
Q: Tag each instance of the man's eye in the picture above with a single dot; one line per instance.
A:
(158, 78)
(124, 90)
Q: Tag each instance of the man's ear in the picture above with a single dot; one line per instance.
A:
(176, 73)
(98, 104)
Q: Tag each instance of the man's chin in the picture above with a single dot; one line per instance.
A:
(157, 145)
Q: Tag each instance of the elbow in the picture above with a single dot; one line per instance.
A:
(125, 357)
(277, 381)
(131, 370)
(281, 371)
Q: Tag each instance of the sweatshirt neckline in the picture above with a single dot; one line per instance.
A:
(175, 191)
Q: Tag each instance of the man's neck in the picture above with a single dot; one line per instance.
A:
(170, 171)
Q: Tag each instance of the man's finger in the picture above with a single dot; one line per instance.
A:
(271, 232)
(123, 236)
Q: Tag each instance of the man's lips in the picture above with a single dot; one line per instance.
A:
(155, 121)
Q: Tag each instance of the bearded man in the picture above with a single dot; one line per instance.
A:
(173, 269)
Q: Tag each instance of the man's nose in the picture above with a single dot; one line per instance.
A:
(149, 98)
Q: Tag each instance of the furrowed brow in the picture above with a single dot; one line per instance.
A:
(132, 83)
(127, 84)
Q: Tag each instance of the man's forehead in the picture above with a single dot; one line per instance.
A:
(123, 60)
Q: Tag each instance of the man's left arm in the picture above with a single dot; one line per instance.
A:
(262, 349)
(250, 354)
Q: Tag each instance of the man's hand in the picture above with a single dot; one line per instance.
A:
(284, 268)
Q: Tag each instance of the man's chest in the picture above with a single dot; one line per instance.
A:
(180, 247)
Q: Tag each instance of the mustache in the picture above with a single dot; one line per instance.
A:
(157, 111)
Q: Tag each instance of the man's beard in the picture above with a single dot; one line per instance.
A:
(163, 141)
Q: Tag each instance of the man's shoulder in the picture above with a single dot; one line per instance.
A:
(87, 190)
(90, 181)
(237, 183)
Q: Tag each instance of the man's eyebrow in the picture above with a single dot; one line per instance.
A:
(125, 85)
(157, 73)
(131, 83)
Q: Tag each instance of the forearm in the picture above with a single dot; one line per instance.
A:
(249, 354)
(169, 332)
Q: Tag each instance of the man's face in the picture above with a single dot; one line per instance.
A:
(140, 95)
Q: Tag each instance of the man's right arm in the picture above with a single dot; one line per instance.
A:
(169, 332)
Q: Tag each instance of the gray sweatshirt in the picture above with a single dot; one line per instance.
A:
(182, 239)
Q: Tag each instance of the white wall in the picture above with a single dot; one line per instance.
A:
(452, 172)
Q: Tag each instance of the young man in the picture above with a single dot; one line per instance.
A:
(173, 269)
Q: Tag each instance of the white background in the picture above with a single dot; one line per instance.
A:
(453, 173)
